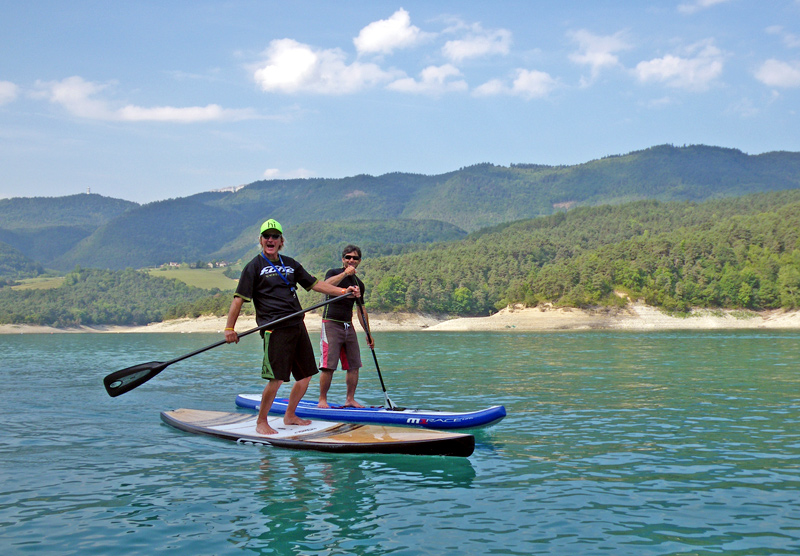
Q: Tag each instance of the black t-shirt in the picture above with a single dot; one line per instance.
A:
(342, 310)
(263, 283)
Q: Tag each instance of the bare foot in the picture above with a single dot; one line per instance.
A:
(295, 421)
(264, 428)
(323, 404)
(352, 403)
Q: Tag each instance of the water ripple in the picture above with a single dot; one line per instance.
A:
(614, 443)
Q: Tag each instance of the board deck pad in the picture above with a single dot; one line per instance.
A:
(429, 419)
(323, 436)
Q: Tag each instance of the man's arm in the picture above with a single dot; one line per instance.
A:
(233, 313)
(330, 289)
(336, 279)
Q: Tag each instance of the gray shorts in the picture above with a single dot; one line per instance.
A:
(338, 341)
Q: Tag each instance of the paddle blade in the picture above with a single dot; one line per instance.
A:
(125, 380)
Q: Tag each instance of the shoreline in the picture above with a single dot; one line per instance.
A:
(633, 317)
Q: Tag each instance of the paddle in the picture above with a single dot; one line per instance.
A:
(125, 380)
(374, 357)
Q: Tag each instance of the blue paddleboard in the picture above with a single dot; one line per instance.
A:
(380, 415)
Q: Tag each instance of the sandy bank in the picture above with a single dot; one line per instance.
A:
(389, 322)
(633, 317)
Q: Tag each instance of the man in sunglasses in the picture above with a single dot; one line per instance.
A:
(338, 339)
(270, 281)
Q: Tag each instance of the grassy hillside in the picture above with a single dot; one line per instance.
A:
(204, 278)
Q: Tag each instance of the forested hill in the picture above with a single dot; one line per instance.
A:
(223, 225)
(14, 265)
(35, 231)
(730, 253)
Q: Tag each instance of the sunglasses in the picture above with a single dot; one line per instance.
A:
(351, 258)
(271, 236)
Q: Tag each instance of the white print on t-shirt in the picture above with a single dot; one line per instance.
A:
(271, 270)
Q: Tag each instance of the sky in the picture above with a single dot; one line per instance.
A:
(151, 100)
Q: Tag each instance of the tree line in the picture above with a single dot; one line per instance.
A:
(92, 296)
(735, 253)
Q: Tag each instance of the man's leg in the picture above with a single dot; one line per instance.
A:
(351, 380)
(325, 377)
(267, 397)
(297, 393)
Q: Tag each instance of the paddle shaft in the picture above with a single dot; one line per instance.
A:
(125, 380)
(360, 303)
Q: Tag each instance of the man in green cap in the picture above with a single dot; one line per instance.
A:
(270, 282)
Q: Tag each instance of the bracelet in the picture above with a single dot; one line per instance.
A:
(344, 291)
(229, 329)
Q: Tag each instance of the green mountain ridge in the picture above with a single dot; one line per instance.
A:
(94, 231)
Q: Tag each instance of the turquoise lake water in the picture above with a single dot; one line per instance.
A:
(614, 443)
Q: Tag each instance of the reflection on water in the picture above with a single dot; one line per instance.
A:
(318, 503)
(619, 443)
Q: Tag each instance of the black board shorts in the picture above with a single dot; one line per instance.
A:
(288, 352)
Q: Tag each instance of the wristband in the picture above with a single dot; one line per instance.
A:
(229, 329)
(344, 291)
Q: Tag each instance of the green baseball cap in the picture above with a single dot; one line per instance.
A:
(271, 224)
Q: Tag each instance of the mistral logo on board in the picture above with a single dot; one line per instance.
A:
(436, 420)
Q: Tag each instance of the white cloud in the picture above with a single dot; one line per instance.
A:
(293, 67)
(528, 84)
(8, 92)
(209, 113)
(698, 5)
(491, 88)
(532, 84)
(79, 97)
(695, 71)
(433, 80)
(598, 52)
(386, 35)
(789, 40)
(775, 73)
(275, 174)
(479, 42)
(76, 95)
